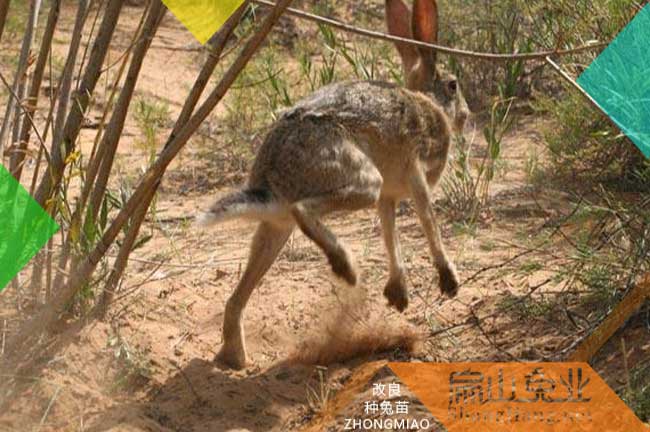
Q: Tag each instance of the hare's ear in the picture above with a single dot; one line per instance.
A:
(425, 27)
(398, 19)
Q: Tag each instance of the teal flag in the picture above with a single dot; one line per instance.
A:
(619, 80)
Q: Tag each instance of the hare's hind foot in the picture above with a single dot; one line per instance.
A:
(307, 212)
(448, 281)
(396, 292)
(232, 357)
(233, 351)
(337, 255)
(267, 243)
(342, 266)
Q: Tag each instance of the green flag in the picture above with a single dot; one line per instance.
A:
(24, 227)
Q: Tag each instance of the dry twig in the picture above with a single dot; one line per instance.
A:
(440, 48)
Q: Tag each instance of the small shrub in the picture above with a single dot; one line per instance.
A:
(151, 117)
(466, 188)
(638, 396)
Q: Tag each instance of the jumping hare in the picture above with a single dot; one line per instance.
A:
(350, 146)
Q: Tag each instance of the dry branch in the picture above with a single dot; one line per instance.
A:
(106, 149)
(4, 82)
(13, 107)
(108, 146)
(18, 156)
(65, 87)
(588, 347)
(23, 83)
(94, 160)
(439, 48)
(42, 151)
(4, 9)
(67, 77)
(86, 45)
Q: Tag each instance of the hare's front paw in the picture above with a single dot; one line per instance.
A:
(396, 293)
(448, 281)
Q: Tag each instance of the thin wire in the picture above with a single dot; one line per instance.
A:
(440, 48)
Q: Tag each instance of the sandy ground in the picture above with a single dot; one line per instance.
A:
(150, 367)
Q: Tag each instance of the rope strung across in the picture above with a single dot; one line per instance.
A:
(540, 55)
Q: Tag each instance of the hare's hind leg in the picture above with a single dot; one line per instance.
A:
(307, 213)
(351, 182)
(267, 244)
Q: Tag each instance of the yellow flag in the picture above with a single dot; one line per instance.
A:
(202, 17)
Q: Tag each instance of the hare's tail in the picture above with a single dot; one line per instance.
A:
(256, 204)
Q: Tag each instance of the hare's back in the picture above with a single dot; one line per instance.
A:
(340, 129)
(380, 111)
(351, 101)
(310, 158)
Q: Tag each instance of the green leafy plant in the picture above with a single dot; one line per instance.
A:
(466, 188)
(151, 117)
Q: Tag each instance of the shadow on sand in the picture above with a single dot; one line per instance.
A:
(202, 397)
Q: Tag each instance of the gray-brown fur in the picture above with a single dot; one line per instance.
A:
(349, 146)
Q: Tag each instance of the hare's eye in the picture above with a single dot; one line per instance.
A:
(453, 85)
